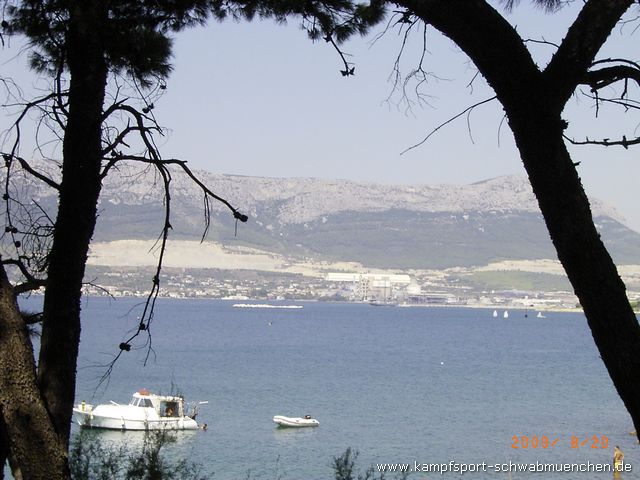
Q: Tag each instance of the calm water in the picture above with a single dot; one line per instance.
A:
(401, 385)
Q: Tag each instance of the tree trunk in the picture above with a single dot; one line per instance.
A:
(533, 101)
(76, 219)
(4, 446)
(586, 261)
(34, 445)
(5, 452)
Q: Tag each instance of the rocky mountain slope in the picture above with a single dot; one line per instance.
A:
(387, 226)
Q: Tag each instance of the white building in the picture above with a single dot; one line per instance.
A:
(370, 286)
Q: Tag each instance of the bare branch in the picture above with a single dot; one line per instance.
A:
(603, 77)
(31, 282)
(26, 167)
(400, 83)
(144, 127)
(623, 142)
(584, 39)
(123, 125)
(541, 42)
(183, 165)
(432, 132)
(348, 68)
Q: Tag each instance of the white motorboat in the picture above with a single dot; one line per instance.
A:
(264, 305)
(296, 422)
(383, 303)
(145, 411)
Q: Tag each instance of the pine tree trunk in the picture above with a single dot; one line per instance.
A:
(36, 450)
(4, 446)
(76, 219)
(533, 101)
(586, 261)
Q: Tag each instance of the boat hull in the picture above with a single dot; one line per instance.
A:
(295, 422)
(86, 417)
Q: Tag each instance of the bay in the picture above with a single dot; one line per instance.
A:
(400, 385)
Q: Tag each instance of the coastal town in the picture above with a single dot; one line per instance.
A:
(414, 289)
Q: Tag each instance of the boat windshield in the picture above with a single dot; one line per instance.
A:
(141, 402)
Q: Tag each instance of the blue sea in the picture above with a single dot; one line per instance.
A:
(400, 385)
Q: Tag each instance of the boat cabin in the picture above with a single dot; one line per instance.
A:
(164, 405)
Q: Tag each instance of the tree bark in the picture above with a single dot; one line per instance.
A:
(77, 206)
(586, 261)
(4, 447)
(533, 101)
(35, 448)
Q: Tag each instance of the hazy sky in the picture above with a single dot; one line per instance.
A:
(261, 99)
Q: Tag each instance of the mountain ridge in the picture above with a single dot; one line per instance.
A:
(376, 225)
(305, 199)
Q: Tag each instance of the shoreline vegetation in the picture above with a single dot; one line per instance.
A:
(90, 458)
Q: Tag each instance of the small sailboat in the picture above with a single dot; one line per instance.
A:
(540, 315)
(505, 314)
(495, 314)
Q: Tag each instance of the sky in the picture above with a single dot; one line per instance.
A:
(262, 99)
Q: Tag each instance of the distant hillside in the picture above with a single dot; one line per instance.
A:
(390, 226)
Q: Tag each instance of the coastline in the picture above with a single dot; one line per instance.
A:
(286, 303)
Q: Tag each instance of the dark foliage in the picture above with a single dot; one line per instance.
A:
(90, 458)
(136, 37)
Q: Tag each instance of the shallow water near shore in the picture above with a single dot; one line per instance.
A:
(400, 385)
